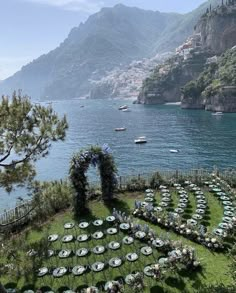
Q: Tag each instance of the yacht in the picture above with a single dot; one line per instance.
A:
(140, 140)
(174, 151)
(217, 114)
(120, 129)
(123, 107)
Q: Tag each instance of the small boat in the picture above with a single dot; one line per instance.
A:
(140, 140)
(123, 107)
(126, 110)
(120, 129)
(174, 151)
(217, 114)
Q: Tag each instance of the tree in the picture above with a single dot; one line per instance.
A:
(26, 133)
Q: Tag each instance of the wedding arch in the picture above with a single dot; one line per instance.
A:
(100, 157)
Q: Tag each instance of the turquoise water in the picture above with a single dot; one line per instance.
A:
(203, 140)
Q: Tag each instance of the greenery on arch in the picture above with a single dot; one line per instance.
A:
(99, 157)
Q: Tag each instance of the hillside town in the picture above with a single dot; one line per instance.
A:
(127, 81)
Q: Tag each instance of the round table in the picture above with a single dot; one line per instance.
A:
(149, 195)
(131, 256)
(124, 226)
(140, 234)
(98, 222)
(229, 214)
(201, 206)
(149, 199)
(227, 203)
(200, 211)
(129, 279)
(166, 195)
(201, 201)
(64, 253)
(149, 191)
(59, 272)
(97, 266)
(227, 219)
(165, 191)
(163, 204)
(128, 240)
(224, 226)
(42, 272)
(69, 225)
(110, 219)
(229, 208)
(158, 209)
(99, 249)
(198, 192)
(148, 271)
(115, 262)
(192, 222)
(219, 232)
(114, 245)
(225, 198)
(166, 199)
(98, 235)
(179, 210)
(158, 243)
(183, 195)
(182, 205)
(144, 204)
(82, 252)
(183, 200)
(82, 237)
(67, 238)
(83, 225)
(112, 231)
(78, 270)
(53, 237)
(146, 250)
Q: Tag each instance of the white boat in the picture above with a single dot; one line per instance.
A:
(217, 114)
(120, 129)
(126, 110)
(174, 151)
(123, 107)
(140, 140)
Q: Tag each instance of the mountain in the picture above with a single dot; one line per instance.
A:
(214, 33)
(110, 38)
(215, 88)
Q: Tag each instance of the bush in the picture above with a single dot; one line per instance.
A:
(136, 184)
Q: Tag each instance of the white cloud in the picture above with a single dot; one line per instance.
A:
(88, 6)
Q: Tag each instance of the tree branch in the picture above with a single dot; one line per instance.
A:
(14, 163)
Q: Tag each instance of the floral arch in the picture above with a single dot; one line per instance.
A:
(99, 157)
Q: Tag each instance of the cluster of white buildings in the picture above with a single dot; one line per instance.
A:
(193, 42)
(127, 82)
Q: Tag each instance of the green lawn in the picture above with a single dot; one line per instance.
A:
(215, 266)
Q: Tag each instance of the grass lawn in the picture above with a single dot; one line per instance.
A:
(215, 266)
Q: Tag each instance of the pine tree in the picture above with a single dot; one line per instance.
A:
(26, 133)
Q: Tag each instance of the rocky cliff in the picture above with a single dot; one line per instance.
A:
(215, 88)
(165, 84)
(218, 29)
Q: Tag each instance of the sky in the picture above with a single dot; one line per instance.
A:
(30, 28)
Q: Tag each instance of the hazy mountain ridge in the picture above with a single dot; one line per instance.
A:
(109, 38)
